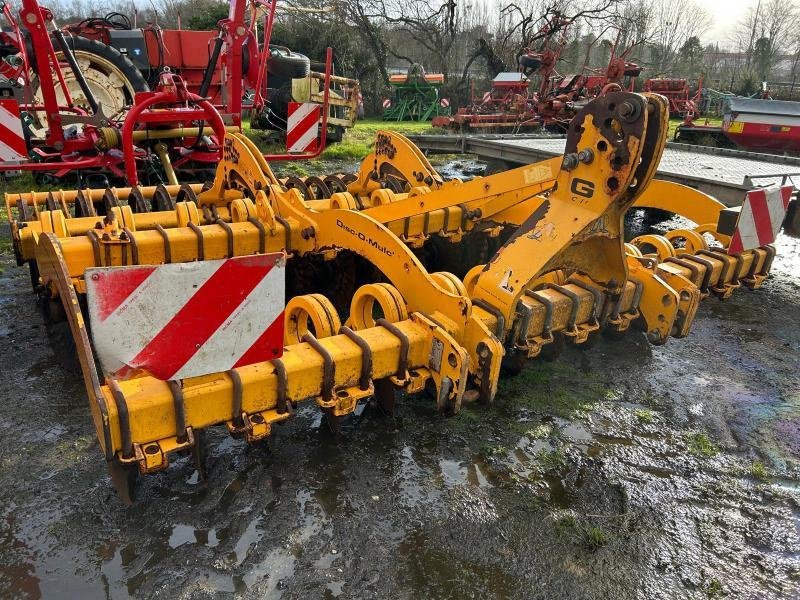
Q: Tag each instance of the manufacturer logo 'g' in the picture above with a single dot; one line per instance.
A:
(583, 188)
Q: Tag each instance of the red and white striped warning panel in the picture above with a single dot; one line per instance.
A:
(187, 319)
(12, 140)
(760, 218)
(444, 102)
(302, 127)
(387, 103)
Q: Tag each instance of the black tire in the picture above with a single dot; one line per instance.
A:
(335, 134)
(288, 64)
(529, 62)
(112, 55)
(279, 100)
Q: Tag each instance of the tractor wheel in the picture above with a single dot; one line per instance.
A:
(279, 99)
(288, 64)
(529, 62)
(112, 77)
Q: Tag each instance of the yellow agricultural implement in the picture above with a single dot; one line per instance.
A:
(438, 283)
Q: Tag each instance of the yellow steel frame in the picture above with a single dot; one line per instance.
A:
(565, 272)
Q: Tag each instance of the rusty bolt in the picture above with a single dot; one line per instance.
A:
(106, 237)
(123, 237)
(307, 233)
(628, 111)
(570, 161)
(586, 156)
(98, 225)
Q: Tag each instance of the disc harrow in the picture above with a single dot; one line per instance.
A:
(558, 271)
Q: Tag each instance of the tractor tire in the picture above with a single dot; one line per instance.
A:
(529, 62)
(279, 99)
(288, 64)
(112, 77)
(335, 134)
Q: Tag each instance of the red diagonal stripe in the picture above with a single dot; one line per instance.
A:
(14, 140)
(114, 287)
(191, 327)
(736, 246)
(300, 129)
(786, 195)
(758, 204)
(261, 350)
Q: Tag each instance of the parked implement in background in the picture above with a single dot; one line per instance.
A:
(536, 96)
(289, 75)
(415, 96)
(677, 92)
(86, 110)
(394, 282)
(750, 123)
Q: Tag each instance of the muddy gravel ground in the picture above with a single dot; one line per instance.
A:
(620, 471)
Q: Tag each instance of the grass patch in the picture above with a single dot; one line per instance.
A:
(595, 537)
(369, 127)
(355, 145)
(22, 183)
(552, 388)
(644, 415)
(714, 589)
(497, 450)
(566, 522)
(701, 445)
(673, 124)
(358, 140)
(348, 150)
(758, 470)
(539, 432)
(551, 460)
(292, 168)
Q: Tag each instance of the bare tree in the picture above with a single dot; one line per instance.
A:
(768, 31)
(672, 23)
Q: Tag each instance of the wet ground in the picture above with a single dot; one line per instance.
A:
(620, 471)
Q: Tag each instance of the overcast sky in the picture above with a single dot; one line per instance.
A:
(724, 16)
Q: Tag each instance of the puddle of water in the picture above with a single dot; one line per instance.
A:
(186, 534)
(430, 573)
(475, 472)
(279, 563)
(250, 536)
(453, 472)
(334, 589)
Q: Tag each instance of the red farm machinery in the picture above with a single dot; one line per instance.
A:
(102, 101)
(516, 103)
(681, 102)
